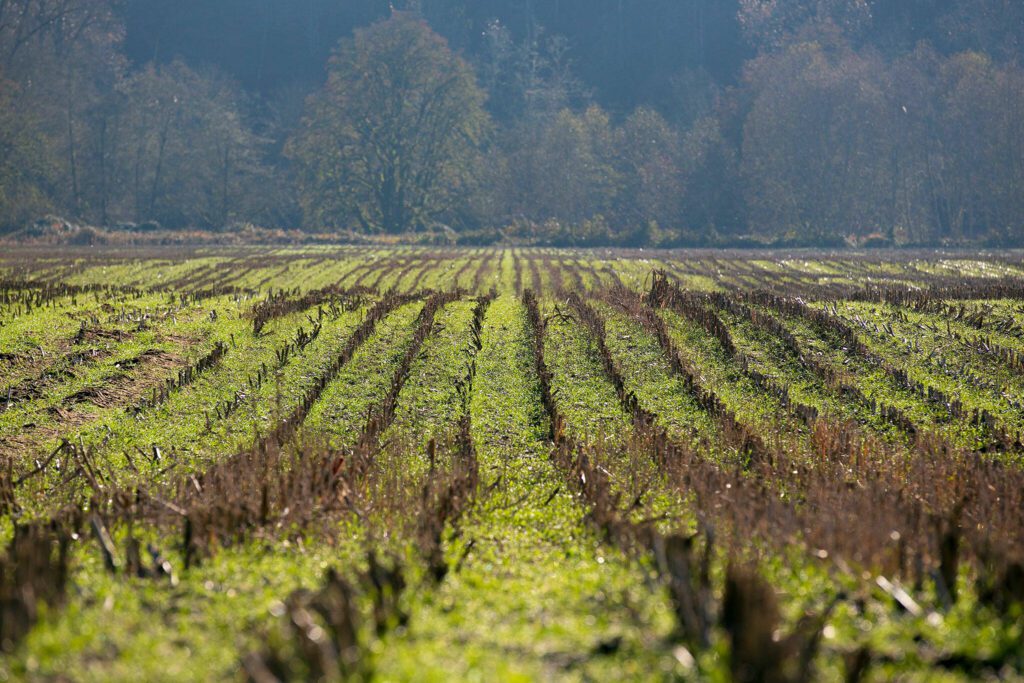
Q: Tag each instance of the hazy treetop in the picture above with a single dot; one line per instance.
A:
(629, 52)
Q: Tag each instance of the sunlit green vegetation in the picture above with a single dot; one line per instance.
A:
(509, 465)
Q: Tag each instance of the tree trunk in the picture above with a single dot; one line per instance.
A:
(226, 169)
(103, 199)
(157, 173)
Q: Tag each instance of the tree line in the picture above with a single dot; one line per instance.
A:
(691, 122)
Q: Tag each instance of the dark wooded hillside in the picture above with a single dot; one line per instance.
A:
(656, 122)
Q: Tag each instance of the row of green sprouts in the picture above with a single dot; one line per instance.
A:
(757, 308)
(914, 513)
(916, 510)
(809, 275)
(284, 483)
(747, 611)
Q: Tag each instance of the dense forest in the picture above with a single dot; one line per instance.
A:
(605, 122)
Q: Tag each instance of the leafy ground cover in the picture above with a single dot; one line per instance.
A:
(428, 464)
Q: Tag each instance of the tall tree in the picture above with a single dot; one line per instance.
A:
(185, 153)
(770, 24)
(64, 56)
(562, 168)
(980, 185)
(817, 142)
(649, 154)
(25, 165)
(390, 141)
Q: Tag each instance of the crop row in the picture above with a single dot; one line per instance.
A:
(824, 488)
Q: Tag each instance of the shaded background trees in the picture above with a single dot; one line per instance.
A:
(607, 122)
(815, 142)
(390, 142)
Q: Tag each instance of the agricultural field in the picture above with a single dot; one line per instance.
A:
(348, 463)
